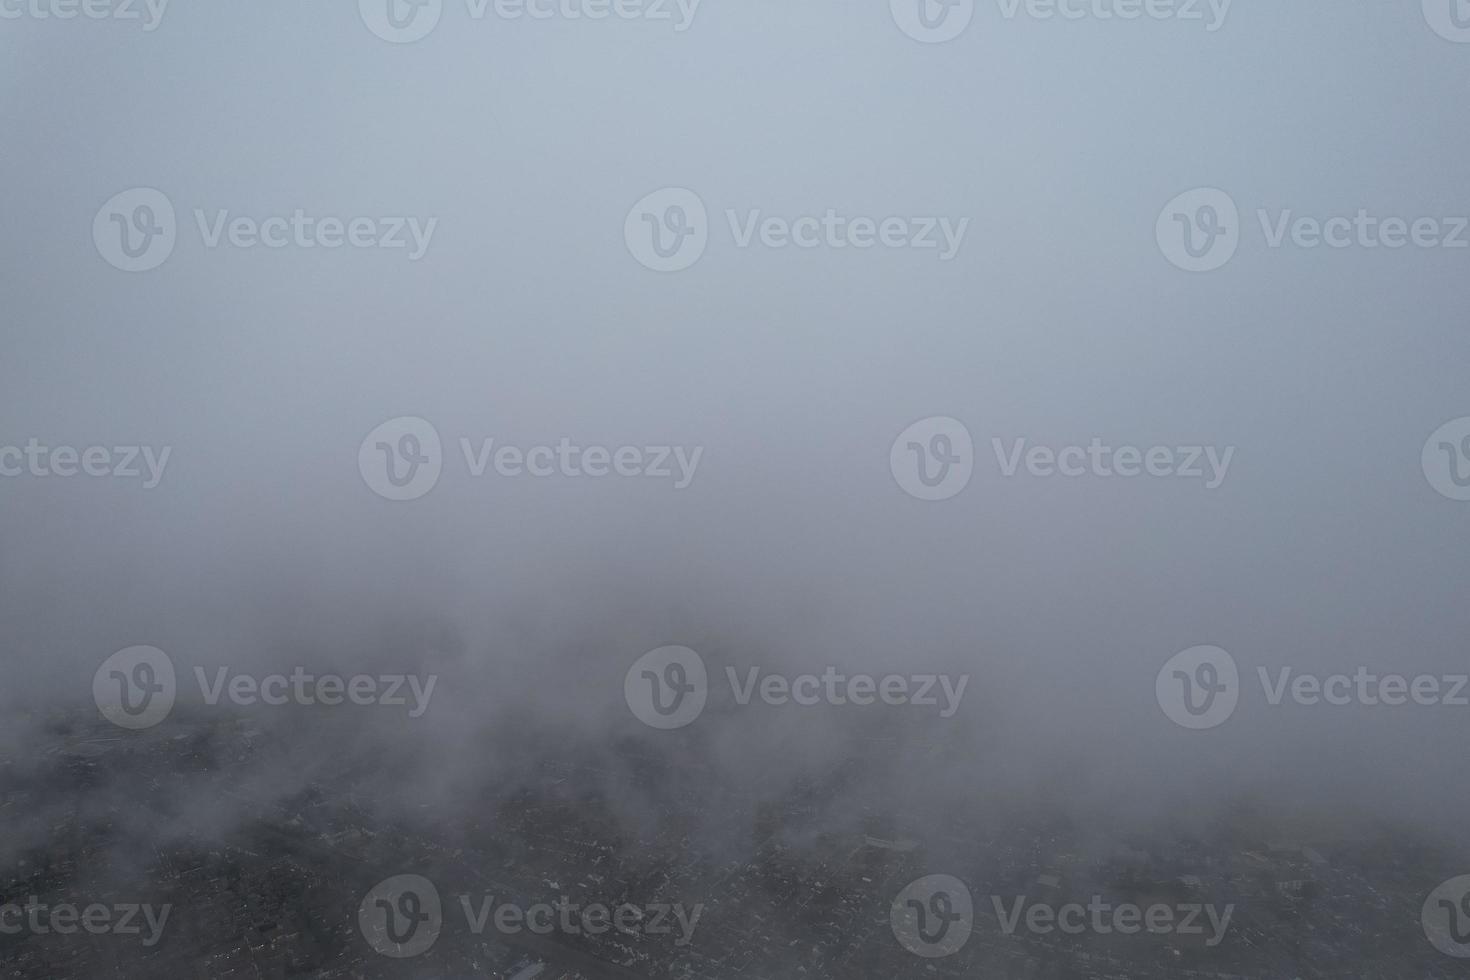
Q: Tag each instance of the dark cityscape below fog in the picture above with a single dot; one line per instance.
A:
(277, 896)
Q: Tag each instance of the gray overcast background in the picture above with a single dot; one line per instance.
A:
(528, 320)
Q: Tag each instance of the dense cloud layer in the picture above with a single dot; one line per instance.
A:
(792, 548)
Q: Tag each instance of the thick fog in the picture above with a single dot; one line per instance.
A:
(529, 318)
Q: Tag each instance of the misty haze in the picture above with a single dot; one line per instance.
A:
(713, 490)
